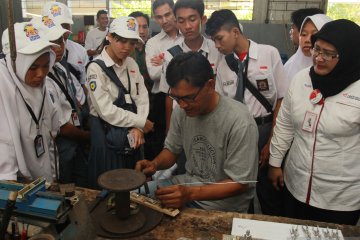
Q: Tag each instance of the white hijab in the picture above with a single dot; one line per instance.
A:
(29, 165)
(299, 61)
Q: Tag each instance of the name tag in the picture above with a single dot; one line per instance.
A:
(309, 122)
(262, 85)
(39, 145)
(75, 119)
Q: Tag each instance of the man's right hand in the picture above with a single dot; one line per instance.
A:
(276, 177)
(147, 167)
(157, 60)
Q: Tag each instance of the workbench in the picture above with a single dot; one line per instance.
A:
(207, 225)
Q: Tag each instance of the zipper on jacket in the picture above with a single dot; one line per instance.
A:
(313, 156)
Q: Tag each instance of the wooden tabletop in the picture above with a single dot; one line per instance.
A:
(200, 224)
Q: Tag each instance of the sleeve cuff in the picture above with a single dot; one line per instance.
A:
(274, 162)
(140, 123)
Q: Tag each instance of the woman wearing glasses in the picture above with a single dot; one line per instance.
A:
(302, 58)
(319, 123)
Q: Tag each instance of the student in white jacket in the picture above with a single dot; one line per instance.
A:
(103, 95)
(302, 58)
(31, 116)
(319, 123)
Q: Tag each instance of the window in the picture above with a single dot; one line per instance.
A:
(337, 9)
(243, 9)
(119, 8)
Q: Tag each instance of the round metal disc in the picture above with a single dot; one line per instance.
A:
(120, 180)
(153, 218)
(113, 224)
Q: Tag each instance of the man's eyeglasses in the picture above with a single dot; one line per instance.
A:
(187, 99)
(327, 56)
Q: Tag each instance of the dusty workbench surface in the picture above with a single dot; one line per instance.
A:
(207, 225)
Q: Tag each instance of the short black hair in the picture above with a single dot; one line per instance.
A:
(298, 16)
(197, 5)
(221, 18)
(102, 11)
(140, 14)
(158, 3)
(192, 67)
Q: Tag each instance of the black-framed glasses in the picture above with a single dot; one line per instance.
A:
(327, 56)
(187, 99)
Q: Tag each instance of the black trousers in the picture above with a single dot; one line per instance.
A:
(296, 209)
(271, 200)
(154, 141)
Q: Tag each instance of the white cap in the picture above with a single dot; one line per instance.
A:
(59, 12)
(47, 28)
(27, 39)
(126, 27)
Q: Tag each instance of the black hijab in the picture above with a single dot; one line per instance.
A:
(344, 35)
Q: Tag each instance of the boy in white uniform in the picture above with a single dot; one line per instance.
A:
(262, 91)
(190, 19)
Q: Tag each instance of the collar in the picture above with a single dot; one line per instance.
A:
(204, 46)
(253, 50)
(163, 34)
(108, 60)
(106, 30)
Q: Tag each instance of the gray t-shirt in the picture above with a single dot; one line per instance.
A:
(219, 145)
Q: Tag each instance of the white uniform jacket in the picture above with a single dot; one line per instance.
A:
(103, 92)
(154, 47)
(207, 48)
(322, 168)
(18, 131)
(78, 59)
(265, 72)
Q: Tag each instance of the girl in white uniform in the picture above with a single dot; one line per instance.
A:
(302, 58)
(32, 113)
(104, 91)
(71, 140)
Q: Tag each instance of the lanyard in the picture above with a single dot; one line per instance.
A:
(36, 120)
(59, 72)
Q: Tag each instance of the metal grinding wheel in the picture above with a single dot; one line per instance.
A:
(121, 223)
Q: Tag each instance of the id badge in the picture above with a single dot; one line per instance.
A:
(131, 140)
(128, 99)
(309, 122)
(39, 145)
(75, 119)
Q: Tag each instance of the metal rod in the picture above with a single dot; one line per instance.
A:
(122, 204)
(11, 33)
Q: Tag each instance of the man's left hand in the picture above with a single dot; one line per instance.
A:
(174, 196)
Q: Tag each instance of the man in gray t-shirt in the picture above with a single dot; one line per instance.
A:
(218, 136)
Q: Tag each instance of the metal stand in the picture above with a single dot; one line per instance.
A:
(121, 221)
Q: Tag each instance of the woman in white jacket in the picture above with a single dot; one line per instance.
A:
(319, 121)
